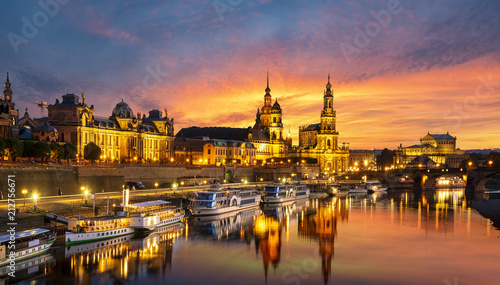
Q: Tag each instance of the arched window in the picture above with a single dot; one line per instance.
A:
(328, 143)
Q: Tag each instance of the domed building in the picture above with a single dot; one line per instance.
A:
(45, 133)
(122, 110)
(123, 136)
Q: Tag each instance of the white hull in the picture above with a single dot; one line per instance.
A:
(140, 222)
(27, 263)
(205, 211)
(283, 199)
(96, 245)
(28, 253)
(72, 237)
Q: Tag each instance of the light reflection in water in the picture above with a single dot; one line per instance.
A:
(120, 258)
(347, 236)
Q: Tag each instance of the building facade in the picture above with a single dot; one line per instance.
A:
(205, 151)
(440, 148)
(320, 140)
(267, 132)
(124, 136)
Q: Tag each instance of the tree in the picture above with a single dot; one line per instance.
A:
(15, 148)
(494, 157)
(475, 158)
(92, 151)
(2, 147)
(28, 148)
(42, 150)
(385, 158)
(56, 151)
(69, 151)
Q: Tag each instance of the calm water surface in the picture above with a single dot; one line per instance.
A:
(398, 238)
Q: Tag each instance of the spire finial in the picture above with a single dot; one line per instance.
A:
(7, 76)
(328, 77)
(267, 88)
(267, 76)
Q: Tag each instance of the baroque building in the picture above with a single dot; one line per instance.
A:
(266, 137)
(440, 148)
(320, 141)
(124, 136)
(9, 116)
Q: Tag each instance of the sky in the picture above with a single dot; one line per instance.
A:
(399, 69)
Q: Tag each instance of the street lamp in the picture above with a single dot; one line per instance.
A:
(86, 193)
(24, 193)
(35, 196)
(490, 162)
(470, 163)
(156, 186)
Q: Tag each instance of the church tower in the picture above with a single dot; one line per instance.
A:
(7, 91)
(327, 134)
(9, 116)
(267, 108)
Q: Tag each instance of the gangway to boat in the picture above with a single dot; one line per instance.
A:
(58, 218)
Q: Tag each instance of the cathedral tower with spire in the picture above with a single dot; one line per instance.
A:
(269, 120)
(320, 140)
(9, 116)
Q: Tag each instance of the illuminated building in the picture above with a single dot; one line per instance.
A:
(267, 132)
(204, 151)
(440, 148)
(9, 116)
(320, 140)
(122, 136)
(265, 137)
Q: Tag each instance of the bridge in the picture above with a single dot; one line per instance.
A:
(476, 177)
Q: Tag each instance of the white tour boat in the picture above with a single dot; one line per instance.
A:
(219, 201)
(98, 228)
(26, 244)
(279, 193)
(147, 216)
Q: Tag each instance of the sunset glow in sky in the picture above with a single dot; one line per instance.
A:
(410, 66)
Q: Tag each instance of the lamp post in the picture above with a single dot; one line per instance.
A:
(86, 193)
(83, 190)
(35, 196)
(24, 194)
(156, 186)
(490, 162)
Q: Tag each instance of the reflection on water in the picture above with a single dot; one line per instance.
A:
(123, 258)
(320, 223)
(382, 238)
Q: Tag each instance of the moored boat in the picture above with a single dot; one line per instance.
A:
(375, 186)
(25, 244)
(219, 201)
(98, 228)
(147, 216)
(279, 193)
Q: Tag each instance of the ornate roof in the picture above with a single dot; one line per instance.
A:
(46, 128)
(122, 110)
(276, 105)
